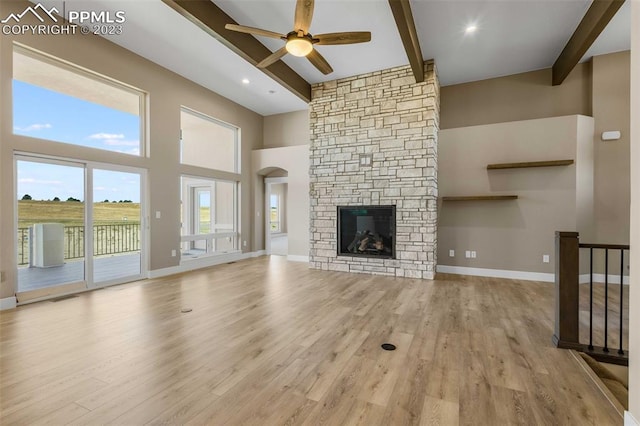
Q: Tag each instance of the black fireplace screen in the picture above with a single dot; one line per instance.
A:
(368, 231)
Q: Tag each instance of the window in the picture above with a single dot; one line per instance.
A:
(209, 205)
(274, 213)
(57, 101)
(207, 142)
(209, 216)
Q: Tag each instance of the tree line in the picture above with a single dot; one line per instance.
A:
(27, 197)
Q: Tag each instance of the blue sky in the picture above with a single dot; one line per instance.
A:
(46, 181)
(45, 114)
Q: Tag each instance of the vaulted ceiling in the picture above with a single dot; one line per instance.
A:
(512, 36)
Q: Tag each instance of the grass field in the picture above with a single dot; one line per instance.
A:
(72, 213)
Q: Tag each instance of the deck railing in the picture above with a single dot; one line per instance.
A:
(113, 238)
(567, 299)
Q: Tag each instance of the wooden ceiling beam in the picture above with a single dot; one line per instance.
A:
(593, 23)
(401, 10)
(209, 17)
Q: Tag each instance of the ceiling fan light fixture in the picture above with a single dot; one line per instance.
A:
(470, 29)
(299, 46)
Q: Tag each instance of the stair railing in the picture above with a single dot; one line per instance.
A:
(567, 298)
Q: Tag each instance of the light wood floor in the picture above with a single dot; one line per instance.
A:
(270, 342)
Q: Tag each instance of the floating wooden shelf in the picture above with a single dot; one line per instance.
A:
(481, 198)
(553, 163)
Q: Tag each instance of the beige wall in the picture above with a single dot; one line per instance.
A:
(295, 160)
(288, 129)
(514, 234)
(634, 303)
(599, 89)
(167, 93)
(516, 97)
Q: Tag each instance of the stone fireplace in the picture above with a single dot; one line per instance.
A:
(374, 145)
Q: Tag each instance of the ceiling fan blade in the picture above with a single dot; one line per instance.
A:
(272, 58)
(251, 30)
(319, 62)
(304, 13)
(343, 38)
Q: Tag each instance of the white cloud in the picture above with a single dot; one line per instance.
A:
(106, 136)
(40, 181)
(120, 142)
(33, 127)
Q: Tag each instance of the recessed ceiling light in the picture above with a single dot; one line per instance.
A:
(470, 29)
(245, 81)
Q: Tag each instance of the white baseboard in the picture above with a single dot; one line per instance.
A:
(8, 303)
(296, 258)
(524, 275)
(204, 262)
(629, 420)
(258, 253)
(496, 273)
(599, 278)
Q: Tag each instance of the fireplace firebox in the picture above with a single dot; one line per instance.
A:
(367, 231)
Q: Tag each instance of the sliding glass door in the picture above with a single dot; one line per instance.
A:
(117, 225)
(79, 226)
(51, 226)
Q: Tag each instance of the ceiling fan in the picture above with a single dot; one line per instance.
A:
(299, 42)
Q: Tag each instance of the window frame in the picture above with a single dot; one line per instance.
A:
(236, 139)
(87, 73)
(191, 211)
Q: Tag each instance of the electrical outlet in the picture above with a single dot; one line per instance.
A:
(545, 258)
(467, 254)
(158, 214)
(173, 253)
(452, 253)
(244, 243)
(473, 254)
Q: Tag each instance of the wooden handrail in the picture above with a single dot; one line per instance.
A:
(567, 299)
(605, 246)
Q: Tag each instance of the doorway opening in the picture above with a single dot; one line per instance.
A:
(276, 217)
